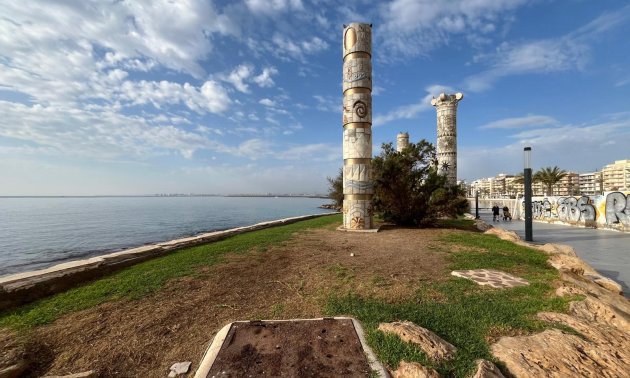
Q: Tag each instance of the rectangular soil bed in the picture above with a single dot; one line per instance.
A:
(326, 347)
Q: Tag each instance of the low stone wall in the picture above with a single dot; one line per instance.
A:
(21, 288)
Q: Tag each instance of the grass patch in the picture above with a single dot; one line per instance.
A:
(459, 223)
(142, 279)
(467, 315)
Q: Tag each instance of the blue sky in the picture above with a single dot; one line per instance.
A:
(244, 96)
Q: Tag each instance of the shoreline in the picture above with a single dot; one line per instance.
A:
(21, 288)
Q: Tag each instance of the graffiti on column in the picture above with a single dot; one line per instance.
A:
(611, 210)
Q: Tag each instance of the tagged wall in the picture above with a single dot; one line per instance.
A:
(611, 210)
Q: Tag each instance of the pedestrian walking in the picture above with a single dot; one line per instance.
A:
(495, 213)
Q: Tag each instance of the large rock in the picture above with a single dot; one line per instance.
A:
(553, 353)
(504, 234)
(179, 369)
(14, 371)
(486, 369)
(430, 343)
(413, 370)
(85, 374)
(575, 283)
(594, 310)
(482, 226)
(557, 249)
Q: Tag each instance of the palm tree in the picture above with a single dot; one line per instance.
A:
(550, 177)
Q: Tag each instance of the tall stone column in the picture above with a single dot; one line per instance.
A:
(446, 106)
(402, 141)
(357, 127)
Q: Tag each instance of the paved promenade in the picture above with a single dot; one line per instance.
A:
(606, 251)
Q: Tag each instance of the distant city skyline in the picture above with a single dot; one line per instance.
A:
(124, 98)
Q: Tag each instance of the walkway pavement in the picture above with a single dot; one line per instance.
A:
(606, 251)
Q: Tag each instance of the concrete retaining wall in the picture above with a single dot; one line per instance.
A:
(21, 288)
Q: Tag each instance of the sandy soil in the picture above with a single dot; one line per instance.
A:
(143, 338)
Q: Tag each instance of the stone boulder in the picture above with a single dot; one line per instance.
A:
(430, 343)
(553, 353)
(504, 234)
(85, 374)
(486, 369)
(413, 370)
(557, 249)
(577, 284)
(482, 226)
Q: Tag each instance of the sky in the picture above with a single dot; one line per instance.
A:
(244, 96)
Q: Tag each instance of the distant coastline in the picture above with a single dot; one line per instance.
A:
(182, 195)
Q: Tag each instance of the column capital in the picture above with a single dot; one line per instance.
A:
(446, 99)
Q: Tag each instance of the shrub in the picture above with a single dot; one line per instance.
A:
(407, 188)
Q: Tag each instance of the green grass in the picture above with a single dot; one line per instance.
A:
(459, 223)
(147, 277)
(466, 314)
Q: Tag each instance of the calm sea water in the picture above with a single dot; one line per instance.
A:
(39, 232)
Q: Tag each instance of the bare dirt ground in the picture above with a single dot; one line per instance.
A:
(143, 338)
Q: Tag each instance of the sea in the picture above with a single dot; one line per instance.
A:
(39, 232)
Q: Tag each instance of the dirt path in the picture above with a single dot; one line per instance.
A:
(146, 336)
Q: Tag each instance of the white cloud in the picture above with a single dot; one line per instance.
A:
(566, 53)
(543, 56)
(238, 76)
(284, 47)
(264, 79)
(211, 96)
(273, 6)
(136, 33)
(519, 122)
(98, 135)
(415, 27)
(579, 148)
(328, 103)
(311, 152)
(411, 110)
(267, 102)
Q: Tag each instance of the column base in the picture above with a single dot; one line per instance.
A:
(369, 230)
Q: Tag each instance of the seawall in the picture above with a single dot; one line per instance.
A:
(21, 288)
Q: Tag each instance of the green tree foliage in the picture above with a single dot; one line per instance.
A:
(335, 189)
(409, 191)
(549, 177)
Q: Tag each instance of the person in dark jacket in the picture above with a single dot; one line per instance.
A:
(495, 213)
(506, 214)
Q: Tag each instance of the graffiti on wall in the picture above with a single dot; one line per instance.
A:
(612, 209)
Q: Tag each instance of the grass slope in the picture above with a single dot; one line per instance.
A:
(465, 314)
(147, 277)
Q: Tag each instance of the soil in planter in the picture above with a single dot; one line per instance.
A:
(306, 348)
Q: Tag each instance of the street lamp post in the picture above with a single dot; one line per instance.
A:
(476, 204)
(527, 176)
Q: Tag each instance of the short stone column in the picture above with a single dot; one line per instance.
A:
(402, 141)
(357, 127)
(446, 106)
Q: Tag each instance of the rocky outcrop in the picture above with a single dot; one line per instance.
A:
(486, 369)
(482, 226)
(602, 319)
(413, 370)
(430, 343)
(563, 258)
(553, 353)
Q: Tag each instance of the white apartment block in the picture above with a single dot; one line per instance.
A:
(616, 176)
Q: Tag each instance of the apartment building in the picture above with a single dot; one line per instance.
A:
(616, 176)
(568, 186)
(590, 183)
